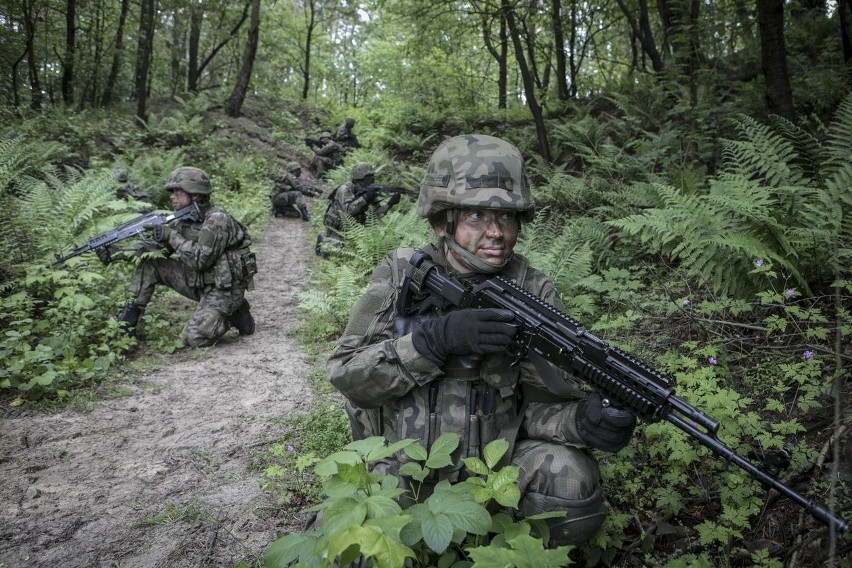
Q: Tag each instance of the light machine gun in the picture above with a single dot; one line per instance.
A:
(131, 228)
(547, 332)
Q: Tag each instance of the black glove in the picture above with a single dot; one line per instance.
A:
(394, 199)
(159, 233)
(104, 255)
(465, 332)
(604, 427)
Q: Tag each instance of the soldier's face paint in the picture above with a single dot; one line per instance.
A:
(179, 199)
(488, 234)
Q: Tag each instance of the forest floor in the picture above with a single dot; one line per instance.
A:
(162, 476)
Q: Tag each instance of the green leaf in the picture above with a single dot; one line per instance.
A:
(437, 531)
(494, 451)
(381, 452)
(414, 471)
(476, 466)
(381, 506)
(289, 548)
(416, 452)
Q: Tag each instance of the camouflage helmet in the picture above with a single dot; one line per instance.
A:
(475, 171)
(294, 167)
(361, 170)
(350, 122)
(190, 180)
(325, 135)
(121, 176)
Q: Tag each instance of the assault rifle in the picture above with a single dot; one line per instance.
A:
(547, 332)
(378, 188)
(131, 228)
(313, 143)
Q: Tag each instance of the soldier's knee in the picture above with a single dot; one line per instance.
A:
(203, 329)
(561, 478)
(583, 517)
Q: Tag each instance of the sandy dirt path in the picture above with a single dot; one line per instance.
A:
(78, 487)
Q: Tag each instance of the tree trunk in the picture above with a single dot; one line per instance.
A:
(144, 50)
(115, 68)
(559, 48)
(235, 103)
(499, 53)
(70, 48)
(680, 20)
(844, 8)
(642, 30)
(773, 55)
(306, 67)
(196, 16)
(528, 81)
(36, 96)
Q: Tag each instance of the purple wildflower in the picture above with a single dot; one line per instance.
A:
(759, 262)
(291, 449)
(790, 292)
(808, 354)
(687, 303)
(712, 360)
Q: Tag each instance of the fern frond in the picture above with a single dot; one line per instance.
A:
(762, 154)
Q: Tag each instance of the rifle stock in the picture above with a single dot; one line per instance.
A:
(548, 333)
(131, 228)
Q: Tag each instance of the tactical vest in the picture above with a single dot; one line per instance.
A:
(478, 399)
(236, 266)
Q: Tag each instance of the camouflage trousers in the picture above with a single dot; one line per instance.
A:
(552, 478)
(211, 319)
(287, 199)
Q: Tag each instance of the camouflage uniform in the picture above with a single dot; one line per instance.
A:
(289, 192)
(130, 190)
(329, 155)
(396, 392)
(345, 137)
(351, 200)
(209, 261)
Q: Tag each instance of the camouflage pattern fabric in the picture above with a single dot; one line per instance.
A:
(345, 200)
(346, 138)
(133, 191)
(476, 171)
(376, 366)
(328, 157)
(287, 193)
(208, 265)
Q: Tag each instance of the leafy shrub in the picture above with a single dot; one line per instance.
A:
(454, 526)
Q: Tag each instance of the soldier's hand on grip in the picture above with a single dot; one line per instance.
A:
(394, 199)
(465, 332)
(159, 233)
(104, 255)
(602, 426)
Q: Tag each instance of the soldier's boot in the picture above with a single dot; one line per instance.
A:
(318, 249)
(303, 211)
(129, 316)
(242, 319)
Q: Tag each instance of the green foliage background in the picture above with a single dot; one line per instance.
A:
(679, 219)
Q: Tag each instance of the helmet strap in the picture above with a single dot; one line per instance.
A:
(471, 261)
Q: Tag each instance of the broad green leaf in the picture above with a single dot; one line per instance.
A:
(381, 506)
(437, 531)
(289, 548)
(328, 466)
(470, 517)
(414, 471)
(416, 452)
(381, 452)
(476, 466)
(494, 451)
